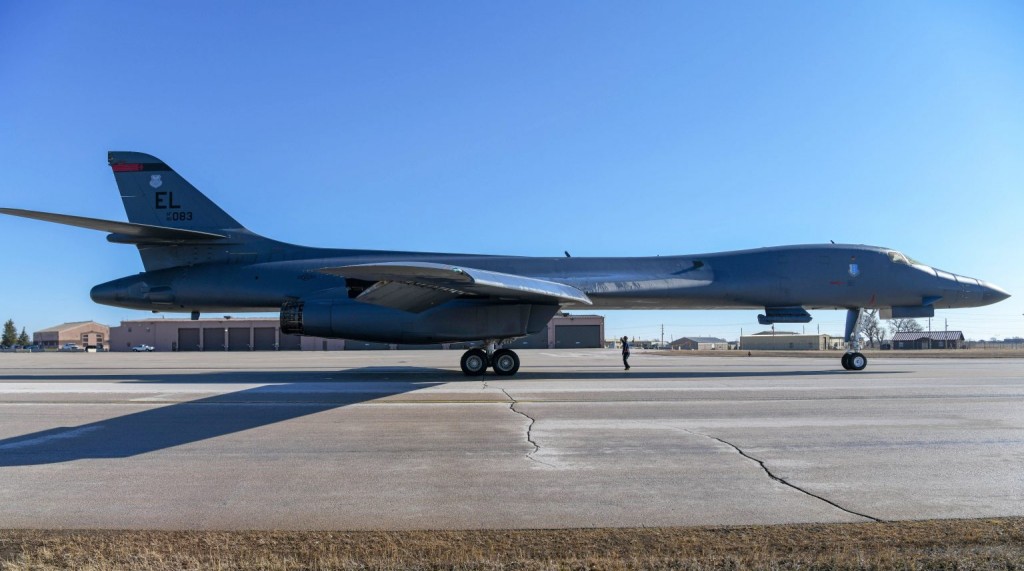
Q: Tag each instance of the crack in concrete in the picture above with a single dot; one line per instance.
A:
(529, 430)
(783, 480)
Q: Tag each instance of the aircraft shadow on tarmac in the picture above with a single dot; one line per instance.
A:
(285, 396)
(293, 395)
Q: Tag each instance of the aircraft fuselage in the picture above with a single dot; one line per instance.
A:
(825, 276)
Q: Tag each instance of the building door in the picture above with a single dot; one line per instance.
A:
(238, 339)
(188, 339)
(263, 338)
(213, 339)
(578, 336)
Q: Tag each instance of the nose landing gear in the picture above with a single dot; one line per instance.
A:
(854, 360)
(505, 362)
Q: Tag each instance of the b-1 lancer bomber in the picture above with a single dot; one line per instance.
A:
(197, 258)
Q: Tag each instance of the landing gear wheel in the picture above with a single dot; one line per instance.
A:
(474, 362)
(505, 362)
(846, 361)
(857, 362)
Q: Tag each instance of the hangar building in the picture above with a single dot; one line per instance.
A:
(787, 341)
(84, 333)
(264, 334)
(699, 343)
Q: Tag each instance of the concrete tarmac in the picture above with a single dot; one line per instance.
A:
(402, 440)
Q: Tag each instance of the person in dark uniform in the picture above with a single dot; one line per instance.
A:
(625, 352)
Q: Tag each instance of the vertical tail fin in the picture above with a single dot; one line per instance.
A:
(154, 194)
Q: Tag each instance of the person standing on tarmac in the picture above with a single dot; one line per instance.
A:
(625, 352)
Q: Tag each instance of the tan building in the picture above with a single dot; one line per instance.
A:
(83, 333)
(264, 334)
(786, 341)
(700, 344)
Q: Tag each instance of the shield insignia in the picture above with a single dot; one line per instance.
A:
(155, 181)
(854, 270)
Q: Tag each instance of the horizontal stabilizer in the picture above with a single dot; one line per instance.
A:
(784, 315)
(417, 286)
(123, 232)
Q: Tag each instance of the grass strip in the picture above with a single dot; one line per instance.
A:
(937, 544)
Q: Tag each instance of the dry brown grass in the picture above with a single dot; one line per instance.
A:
(949, 544)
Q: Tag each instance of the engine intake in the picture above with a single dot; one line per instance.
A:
(291, 317)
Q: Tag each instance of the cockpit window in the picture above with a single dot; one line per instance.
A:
(898, 258)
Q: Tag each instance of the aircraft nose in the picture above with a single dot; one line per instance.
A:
(992, 294)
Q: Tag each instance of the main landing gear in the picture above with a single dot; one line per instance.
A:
(854, 360)
(475, 362)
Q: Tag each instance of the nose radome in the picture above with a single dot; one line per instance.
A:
(992, 294)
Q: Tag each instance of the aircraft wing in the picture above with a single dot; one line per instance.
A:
(127, 232)
(418, 286)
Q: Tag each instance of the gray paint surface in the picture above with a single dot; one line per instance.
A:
(402, 440)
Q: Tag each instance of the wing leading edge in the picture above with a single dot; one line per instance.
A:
(125, 232)
(418, 286)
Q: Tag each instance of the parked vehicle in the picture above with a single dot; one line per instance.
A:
(70, 347)
(142, 348)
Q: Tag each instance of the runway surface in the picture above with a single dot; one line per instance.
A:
(402, 440)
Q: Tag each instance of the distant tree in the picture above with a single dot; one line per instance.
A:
(872, 329)
(904, 326)
(10, 336)
(23, 339)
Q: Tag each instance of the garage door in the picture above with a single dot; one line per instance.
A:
(188, 339)
(291, 342)
(577, 336)
(263, 338)
(213, 339)
(238, 339)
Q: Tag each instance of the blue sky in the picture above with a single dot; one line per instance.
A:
(631, 128)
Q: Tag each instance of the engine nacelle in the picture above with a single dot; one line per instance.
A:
(457, 320)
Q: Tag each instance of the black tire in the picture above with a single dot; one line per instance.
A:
(857, 362)
(505, 362)
(474, 362)
(846, 361)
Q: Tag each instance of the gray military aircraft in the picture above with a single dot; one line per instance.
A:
(200, 259)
